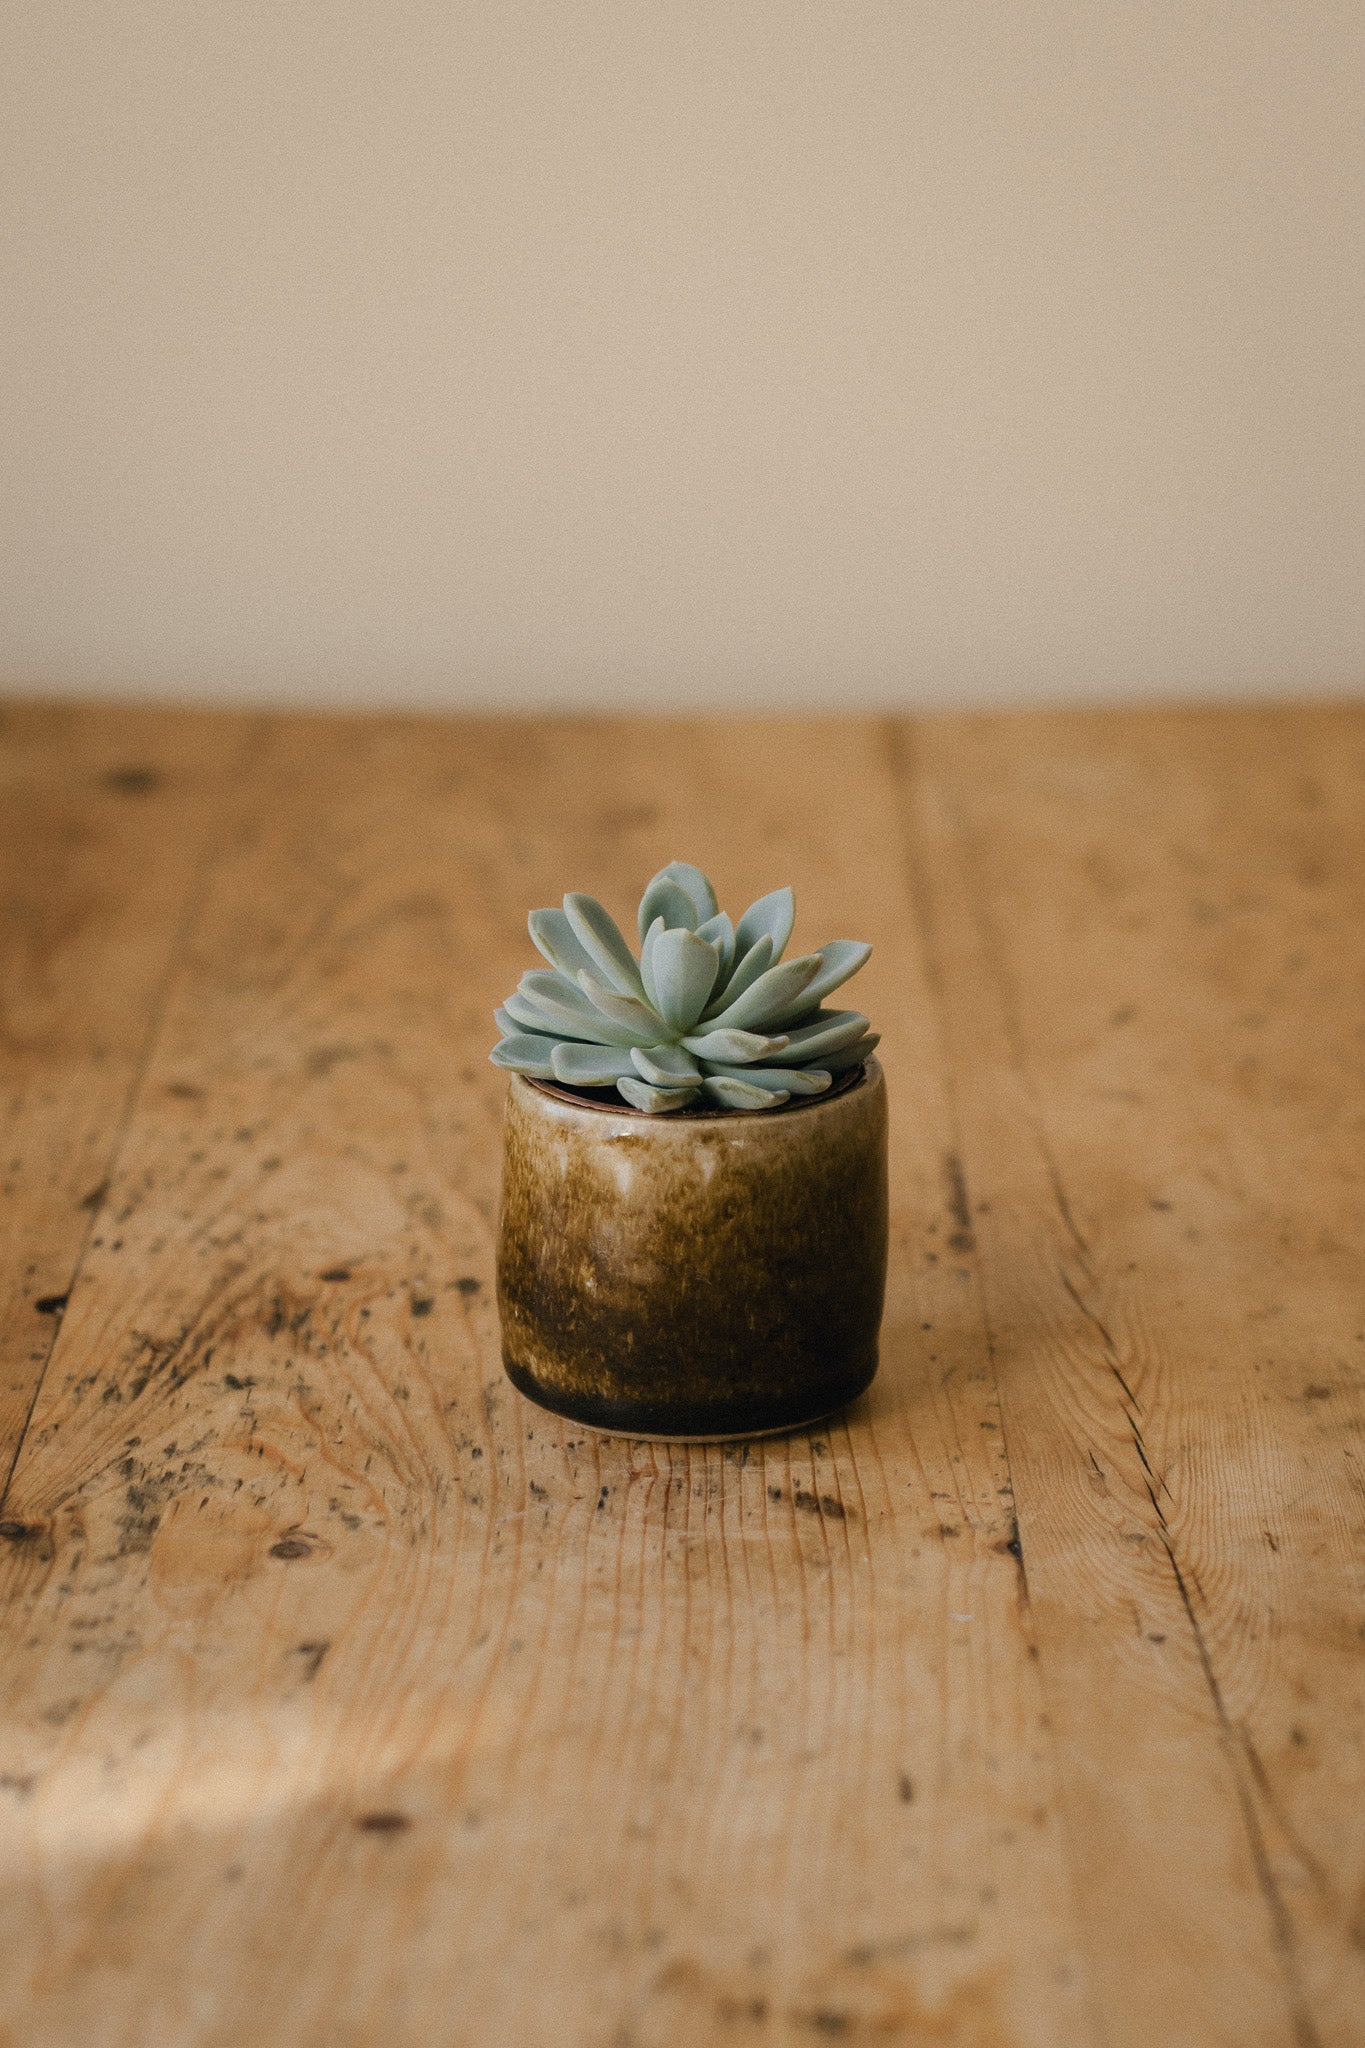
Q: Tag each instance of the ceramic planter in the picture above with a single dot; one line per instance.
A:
(694, 1275)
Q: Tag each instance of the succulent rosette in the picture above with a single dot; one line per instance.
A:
(709, 1013)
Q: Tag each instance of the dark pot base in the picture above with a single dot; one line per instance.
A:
(711, 1422)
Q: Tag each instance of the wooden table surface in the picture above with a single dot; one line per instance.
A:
(348, 1701)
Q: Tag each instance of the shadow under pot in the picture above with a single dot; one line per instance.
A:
(704, 1274)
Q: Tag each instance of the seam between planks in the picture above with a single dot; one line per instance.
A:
(898, 747)
(195, 892)
(1234, 1737)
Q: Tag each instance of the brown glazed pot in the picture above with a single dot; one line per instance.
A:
(694, 1275)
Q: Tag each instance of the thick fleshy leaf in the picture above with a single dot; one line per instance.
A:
(590, 1066)
(666, 1066)
(546, 1002)
(851, 1055)
(772, 916)
(553, 936)
(640, 1095)
(551, 1020)
(525, 1055)
(684, 969)
(782, 1080)
(600, 937)
(695, 883)
(772, 998)
(631, 1013)
(510, 1026)
(745, 973)
(742, 1094)
(838, 960)
(720, 933)
(734, 1048)
(651, 940)
(556, 987)
(827, 1032)
(667, 899)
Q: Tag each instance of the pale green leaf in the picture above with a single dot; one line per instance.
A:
(510, 1025)
(546, 1002)
(772, 917)
(666, 1066)
(742, 1094)
(590, 1066)
(838, 960)
(524, 1054)
(828, 1032)
(600, 937)
(736, 1048)
(667, 899)
(781, 1080)
(640, 1095)
(548, 1019)
(684, 969)
(720, 933)
(553, 936)
(851, 1055)
(628, 1013)
(695, 883)
(651, 940)
(770, 1000)
(744, 974)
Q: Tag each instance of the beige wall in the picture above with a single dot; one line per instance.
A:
(651, 350)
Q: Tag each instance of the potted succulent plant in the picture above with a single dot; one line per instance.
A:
(694, 1213)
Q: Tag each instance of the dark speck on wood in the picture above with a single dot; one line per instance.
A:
(816, 1504)
(383, 1823)
(291, 1547)
(336, 1273)
(51, 1304)
(959, 1208)
(132, 781)
(311, 1656)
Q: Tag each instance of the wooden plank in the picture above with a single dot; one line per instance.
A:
(104, 820)
(349, 1700)
(1148, 938)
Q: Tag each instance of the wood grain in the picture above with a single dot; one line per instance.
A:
(1150, 946)
(105, 816)
(345, 1699)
